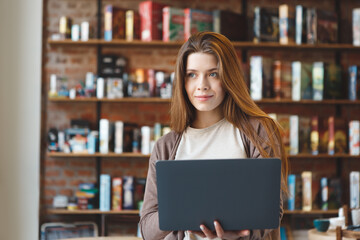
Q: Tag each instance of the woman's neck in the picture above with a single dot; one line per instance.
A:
(206, 119)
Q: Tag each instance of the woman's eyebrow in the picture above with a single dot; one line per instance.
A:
(209, 70)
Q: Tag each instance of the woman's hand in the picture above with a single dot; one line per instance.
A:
(220, 233)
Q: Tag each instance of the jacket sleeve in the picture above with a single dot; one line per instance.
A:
(149, 217)
(254, 153)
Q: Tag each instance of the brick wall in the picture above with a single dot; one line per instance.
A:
(62, 176)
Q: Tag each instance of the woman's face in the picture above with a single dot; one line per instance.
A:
(202, 83)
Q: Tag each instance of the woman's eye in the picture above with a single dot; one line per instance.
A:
(214, 74)
(192, 75)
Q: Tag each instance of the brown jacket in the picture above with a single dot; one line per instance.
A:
(165, 148)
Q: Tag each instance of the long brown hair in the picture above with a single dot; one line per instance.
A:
(238, 107)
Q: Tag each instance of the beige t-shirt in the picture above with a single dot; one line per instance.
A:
(221, 140)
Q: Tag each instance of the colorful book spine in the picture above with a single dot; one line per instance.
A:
(314, 136)
(291, 186)
(105, 192)
(296, 81)
(324, 193)
(294, 134)
(286, 80)
(197, 21)
(333, 85)
(267, 78)
(286, 24)
(173, 24)
(277, 79)
(117, 189)
(114, 20)
(132, 25)
(104, 137)
(354, 189)
(306, 81)
(354, 137)
(300, 24)
(157, 131)
(119, 133)
(353, 76)
(256, 77)
(151, 18)
(311, 25)
(128, 189)
(318, 81)
(307, 193)
(145, 139)
(331, 142)
(304, 134)
(356, 26)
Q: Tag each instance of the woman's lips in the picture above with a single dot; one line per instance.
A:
(203, 97)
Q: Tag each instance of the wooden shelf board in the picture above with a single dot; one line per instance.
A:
(107, 155)
(93, 211)
(329, 212)
(117, 100)
(310, 156)
(139, 155)
(166, 100)
(247, 45)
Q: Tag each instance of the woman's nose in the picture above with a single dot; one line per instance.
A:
(203, 83)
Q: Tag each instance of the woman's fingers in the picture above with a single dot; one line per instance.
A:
(219, 229)
(208, 233)
(243, 233)
(199, 233)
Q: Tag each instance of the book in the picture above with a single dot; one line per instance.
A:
(354, 189)
(334, 193)
(333, 85)
(139, 191)
(300, 24)
(353, 82)
(173, 24)
(114, 88)
(356, 26)
(277, 79)
(128, 136)
(307, 190)
(331, 142)
(266, 24)
(223, 22)
(298, 192)
(324, 193)
(306, 81)
(341, 130)
(197, 21)
(104, 132)
(294, 134)
(128, 188)
(150, 20)
(318, 81)
(284, 121)
(132, 22)
(105, 192)
(145, 139)
(267, 78)
(296, 81)
(117, 190)
(256, 77)
(136, 142)
(323, 129)
(286, 24)
(286, 80)
(354, 137)
(119, 130)
(311, 25)
(291, 187)
(304, 134)
(114, 23)
(314, 136)
(327, 26)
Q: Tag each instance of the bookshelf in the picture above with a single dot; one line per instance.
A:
(99, 46)
(244, 45)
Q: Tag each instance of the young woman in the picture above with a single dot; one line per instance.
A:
(211, 99)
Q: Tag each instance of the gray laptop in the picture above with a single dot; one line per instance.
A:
(239, 193)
